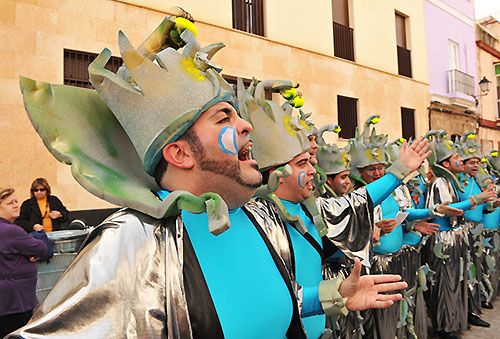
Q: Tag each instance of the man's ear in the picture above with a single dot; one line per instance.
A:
(178, 154)
(446, 164)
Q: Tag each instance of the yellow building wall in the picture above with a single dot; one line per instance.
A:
(375, 34)
(34, 33)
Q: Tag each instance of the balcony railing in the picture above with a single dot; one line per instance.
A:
(404, 61)
(460, 82)
(343, 43)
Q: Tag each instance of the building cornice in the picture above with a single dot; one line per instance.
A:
(489, 123)
(487, 48)
(452, 11)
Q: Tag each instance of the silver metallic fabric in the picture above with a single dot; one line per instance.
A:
(494, 256)
(411, 261)
(349, 220)
(267, 217)
(447, 295)
(475, 259)
(386, 320)
(137, 278)
(127, 282)
(441, 191)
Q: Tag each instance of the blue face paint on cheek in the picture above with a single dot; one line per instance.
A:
(227, 140)
(458, 164)
(302, 179)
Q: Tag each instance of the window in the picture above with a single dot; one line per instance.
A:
(404, 54)
(453, 55)
(408, 123)
(347, 109)
(343, 37)
(76, 64)
(497, 77)
(248, 16)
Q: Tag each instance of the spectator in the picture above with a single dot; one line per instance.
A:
(42, 211)
(18, 269)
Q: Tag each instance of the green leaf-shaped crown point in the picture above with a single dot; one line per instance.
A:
(159, 93)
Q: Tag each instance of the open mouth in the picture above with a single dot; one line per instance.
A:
(245, 153)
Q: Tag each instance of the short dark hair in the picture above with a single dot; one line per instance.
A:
(194, 143)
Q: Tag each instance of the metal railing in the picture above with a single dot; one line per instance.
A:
(460, 82)
(404, 62)
(343, 41)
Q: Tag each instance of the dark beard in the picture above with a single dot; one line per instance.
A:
(226, 168)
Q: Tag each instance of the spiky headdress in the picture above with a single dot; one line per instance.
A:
(442, 149)
(494, 162)
(331, 158)
(367, 148)
(158, 96)
(467, 147)
(277, 134)
(111, 135)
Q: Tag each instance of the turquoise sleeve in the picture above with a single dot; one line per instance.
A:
(310, 302)
(417, 213)
(462, 205)
(382, 188)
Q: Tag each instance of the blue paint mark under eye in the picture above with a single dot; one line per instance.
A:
(302, 179)
(457, 163)
(227, 140)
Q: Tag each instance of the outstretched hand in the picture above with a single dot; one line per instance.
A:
(448, 211)
(364, 292)
(425, 227)
(412, 156)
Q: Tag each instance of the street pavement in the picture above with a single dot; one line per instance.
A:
(491, 316)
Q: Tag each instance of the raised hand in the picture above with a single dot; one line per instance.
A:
(364, 292)
(412, 156)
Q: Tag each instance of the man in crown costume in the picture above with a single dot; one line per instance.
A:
(470, 153)
(170, 268)
(480, 238)
(446, 251)
(488, 175)
(316, 228)
(395, 251)
(333, 167)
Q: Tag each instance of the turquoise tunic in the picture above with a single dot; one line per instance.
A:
(475, 214)
(392, 242)
(308, 272)
(491, 220)
(245, 285)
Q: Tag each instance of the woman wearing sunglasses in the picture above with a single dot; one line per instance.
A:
(42, 211)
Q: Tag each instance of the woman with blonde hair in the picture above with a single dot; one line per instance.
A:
(42, 211)
(18, 269)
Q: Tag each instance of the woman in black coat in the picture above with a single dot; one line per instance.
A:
(42, 211)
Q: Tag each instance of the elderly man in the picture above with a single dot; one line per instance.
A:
(170, 268)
